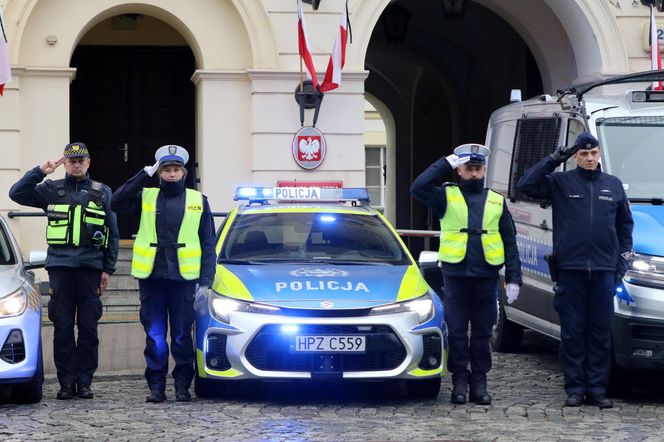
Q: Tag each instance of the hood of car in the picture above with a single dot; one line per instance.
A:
(10, 279)
(648, 235)
(315, 286)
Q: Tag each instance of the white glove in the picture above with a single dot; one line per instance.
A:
(456, 161)
(512, 292)
(150, 170)
(201, 300)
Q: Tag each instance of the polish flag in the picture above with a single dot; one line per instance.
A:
(332, 78)
(303, 45)
(5, 66)
(655, 55)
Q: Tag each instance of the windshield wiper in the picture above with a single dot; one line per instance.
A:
(654, 201)
(237, 261)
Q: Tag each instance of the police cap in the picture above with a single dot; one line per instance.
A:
(171, 154)
(477, 153)
(78, 149)
(586, 140)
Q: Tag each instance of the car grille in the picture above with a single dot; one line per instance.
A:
(13, 352)
(215, 357)
(270, 349)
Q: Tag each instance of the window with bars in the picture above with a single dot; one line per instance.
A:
(375, 168)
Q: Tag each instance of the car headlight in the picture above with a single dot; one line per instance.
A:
(645, 270)
(423, 306)
(13, 304)
(221, 307)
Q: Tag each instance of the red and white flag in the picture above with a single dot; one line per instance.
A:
(5, 65)
(332, 78)
(655, 55)
(303, 45)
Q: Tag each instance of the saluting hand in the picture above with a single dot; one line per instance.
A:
(50, 166)
(456, 161)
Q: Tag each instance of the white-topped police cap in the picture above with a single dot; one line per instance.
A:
(478, 153)
(171, 154)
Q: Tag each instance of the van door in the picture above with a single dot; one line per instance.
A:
(534, 139)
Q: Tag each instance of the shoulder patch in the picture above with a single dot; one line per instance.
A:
(96, 185)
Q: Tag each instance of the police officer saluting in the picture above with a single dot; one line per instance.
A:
(592, 231)
(173, 251)
(82, 235)
(477, 238)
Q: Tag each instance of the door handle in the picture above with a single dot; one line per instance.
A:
(125, 150)
(543, 225)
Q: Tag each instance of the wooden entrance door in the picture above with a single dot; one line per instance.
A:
(126, 102)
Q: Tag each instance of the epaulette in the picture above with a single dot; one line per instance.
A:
(449, 183)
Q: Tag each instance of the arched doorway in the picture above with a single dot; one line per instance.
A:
(441, 77)
(132, 93)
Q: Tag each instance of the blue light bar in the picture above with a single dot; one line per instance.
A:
(261, 194)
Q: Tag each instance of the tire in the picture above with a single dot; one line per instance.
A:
(207, 388)
(423, 388)
(619, 380)
(507, 335)
(31, 392)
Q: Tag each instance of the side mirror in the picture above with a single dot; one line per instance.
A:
(36, 259)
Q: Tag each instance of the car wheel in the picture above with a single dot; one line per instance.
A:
(423, 388)
(207, 388)
(31, 392)
(507, 335)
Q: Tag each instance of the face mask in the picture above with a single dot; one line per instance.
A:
(472, 185)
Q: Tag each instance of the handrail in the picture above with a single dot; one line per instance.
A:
(419, 233)
(19, 214)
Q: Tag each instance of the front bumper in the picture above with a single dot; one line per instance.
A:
(255, 347)
(638, 328)
(18, 362)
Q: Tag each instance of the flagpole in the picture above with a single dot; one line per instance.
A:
(301, 76)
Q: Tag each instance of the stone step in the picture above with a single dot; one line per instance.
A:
(121, 281)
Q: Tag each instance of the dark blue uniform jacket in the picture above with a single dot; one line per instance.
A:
(170, 211)
(28, 192)
(426, 190)
(592, 223)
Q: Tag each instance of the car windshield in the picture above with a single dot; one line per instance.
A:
(323, 237)
(633, 150)
(6, 254)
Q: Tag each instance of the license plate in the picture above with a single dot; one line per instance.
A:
(336, 344)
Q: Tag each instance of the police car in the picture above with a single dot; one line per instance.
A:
(21, 367)
(312, 283)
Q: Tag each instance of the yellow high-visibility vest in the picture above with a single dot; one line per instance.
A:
(454, 241)
(145, 249)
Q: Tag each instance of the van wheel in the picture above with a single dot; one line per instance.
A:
(423, 388)
(31, 392)
(506, 334)
(619, 380)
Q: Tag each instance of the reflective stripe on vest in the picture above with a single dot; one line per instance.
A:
(453, 242)
(189, 256)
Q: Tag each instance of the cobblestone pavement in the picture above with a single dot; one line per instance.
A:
(526, 387)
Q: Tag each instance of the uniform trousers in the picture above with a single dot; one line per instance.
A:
(75, 300)
(165, 303)
(584, 302)
(470, 300)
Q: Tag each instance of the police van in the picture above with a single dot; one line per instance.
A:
(313, 284)
(629, 124)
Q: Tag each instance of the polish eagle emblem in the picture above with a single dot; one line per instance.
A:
(309, 148)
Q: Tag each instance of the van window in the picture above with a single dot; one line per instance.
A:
(535, 138)
(574, 129)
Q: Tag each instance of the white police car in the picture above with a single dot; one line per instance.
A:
(320, 287)
(21, 367)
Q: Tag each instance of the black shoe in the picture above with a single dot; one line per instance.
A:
(182, 395)
(574, 400)
(599, 399)
(85, 392)
(67, 391)
(480, 396)
(156, 396)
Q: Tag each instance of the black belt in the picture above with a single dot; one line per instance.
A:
(175, 245)
(474, 231)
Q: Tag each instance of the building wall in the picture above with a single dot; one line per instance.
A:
(247, 69)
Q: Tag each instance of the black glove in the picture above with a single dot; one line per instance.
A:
(619, 278)
(564, 153)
